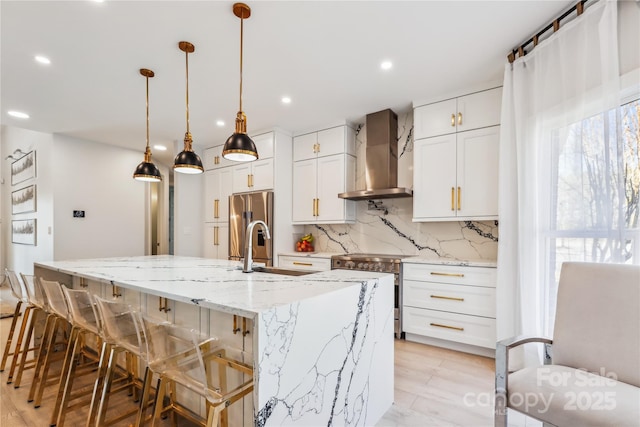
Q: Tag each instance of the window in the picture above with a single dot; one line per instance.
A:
(595, 190)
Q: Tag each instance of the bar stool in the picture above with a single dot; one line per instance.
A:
(183, 356)
(119, 332)
(20, 294)
(85, 325)
(58, 325)
(39, 308)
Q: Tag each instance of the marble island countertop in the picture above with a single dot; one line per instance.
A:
(210, 283)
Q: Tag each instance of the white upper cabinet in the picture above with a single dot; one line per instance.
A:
(336, 140)
(456, 176)
(256, 175)
(474, 111)
(455, 163)
(324, 165)
(212, 158)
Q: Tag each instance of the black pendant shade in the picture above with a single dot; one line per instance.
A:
(187, 161)
(147, 171)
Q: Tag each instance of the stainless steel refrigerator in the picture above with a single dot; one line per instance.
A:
(244, 208)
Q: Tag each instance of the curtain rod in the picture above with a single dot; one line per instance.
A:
(555, 24)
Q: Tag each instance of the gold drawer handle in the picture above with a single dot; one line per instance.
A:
(438, 325)
(459, 119)
(435, 273)
(453, 192)
(459, 198)
(453, 120)
(216, 208)
(450, 298)
(308, 264)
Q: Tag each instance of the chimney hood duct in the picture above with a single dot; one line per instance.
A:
(381, 171)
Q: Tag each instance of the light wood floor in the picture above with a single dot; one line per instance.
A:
(433, 386)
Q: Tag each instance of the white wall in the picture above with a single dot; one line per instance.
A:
(188, 219)
(20, 257)
(97, 178)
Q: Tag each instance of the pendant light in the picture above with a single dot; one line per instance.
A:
(147, 171)
(239, 147)
(187, 161)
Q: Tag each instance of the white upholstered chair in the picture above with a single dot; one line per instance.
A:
(591, 375)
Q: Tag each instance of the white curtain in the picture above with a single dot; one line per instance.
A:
(560, 185)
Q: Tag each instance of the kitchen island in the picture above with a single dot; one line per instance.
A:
(321, 344)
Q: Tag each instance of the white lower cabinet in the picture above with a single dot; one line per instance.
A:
(304, 262)
(451, 303)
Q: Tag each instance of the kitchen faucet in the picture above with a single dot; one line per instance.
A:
(248, 244)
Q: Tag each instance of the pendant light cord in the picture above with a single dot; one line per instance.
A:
(187, 67)
(147, 78)
(241, 44)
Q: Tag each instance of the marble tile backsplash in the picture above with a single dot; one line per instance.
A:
(390, 229)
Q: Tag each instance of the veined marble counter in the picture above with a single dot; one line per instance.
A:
(445, 261)
(210, 283)
(322, 344)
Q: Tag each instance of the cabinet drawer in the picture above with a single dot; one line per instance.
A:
(480, 331)
(460, 275)
(473, 300)
(304, 263)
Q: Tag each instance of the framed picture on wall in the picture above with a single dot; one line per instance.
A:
(23, 200)
(23, 231)
(24, 168)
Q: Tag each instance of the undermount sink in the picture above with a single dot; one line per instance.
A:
(284, 271)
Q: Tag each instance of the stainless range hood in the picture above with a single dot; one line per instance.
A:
(381, 160)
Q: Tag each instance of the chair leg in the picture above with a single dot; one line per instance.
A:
(27, 349)
(97, 387)
(158, 405)
(27, 316)
(66, 375)
(7, 348)
(144, 399)
(42, 353)
(59, 325)
(214, 415)
(106, 389)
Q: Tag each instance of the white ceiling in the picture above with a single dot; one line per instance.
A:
(325, 55)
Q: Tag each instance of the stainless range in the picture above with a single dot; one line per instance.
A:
(376, 262)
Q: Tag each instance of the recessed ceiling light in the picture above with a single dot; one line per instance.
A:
(42, 59)
(220, 123)
(386, 65)
(286, 100)
(18, 114)
(160, 147)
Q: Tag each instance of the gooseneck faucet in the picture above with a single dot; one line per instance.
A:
(248, 244)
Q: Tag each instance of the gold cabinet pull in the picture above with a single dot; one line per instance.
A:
(318, 148)
(317, 207)
(216, 208)
(453, 190)
(308, 264)
(252, 180)
(82, 283)
(235, 324)
(248, 180)
(313, 208)
(160, 304)
(449, 298)
(115, 291)
(453, 120)
(435, 273)
(245, 331)
(459, 198)
(459, 119)
(166, 305)
(216, 160)
(215, 235)
(439, 325)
